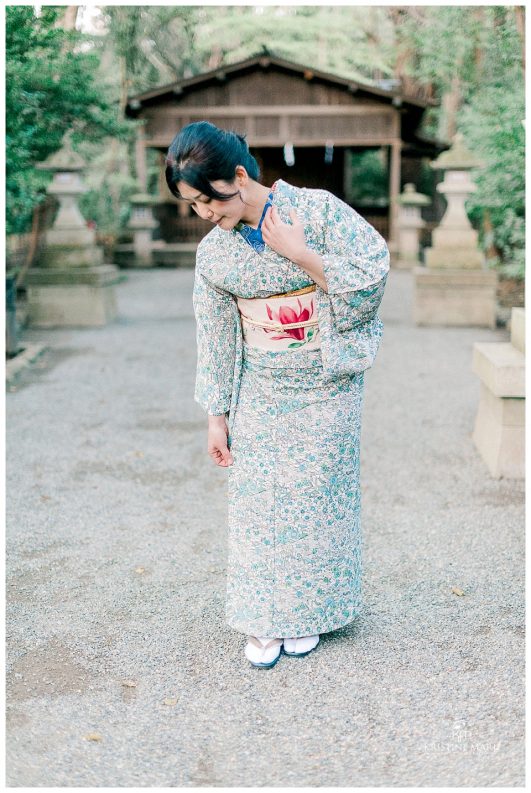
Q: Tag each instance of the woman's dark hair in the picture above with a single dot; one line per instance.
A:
(201, 153)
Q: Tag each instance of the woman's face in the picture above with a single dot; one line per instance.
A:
(225, 214)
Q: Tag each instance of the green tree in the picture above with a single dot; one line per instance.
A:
(471, 58)
(50, 88)
(491, 120)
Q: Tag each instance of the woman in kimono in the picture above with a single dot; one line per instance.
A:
(287, 287)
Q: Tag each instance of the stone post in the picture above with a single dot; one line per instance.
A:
(410, 223)
(455, 287)
(499, 430)
(70, 286)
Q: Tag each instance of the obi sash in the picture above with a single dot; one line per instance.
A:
(280, 322)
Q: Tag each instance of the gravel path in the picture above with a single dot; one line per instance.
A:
(116, 572)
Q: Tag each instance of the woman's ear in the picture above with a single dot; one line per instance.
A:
(242, 176)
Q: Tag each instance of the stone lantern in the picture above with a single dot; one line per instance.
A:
(142, 224)
(70, 286)
(455, 287)
(410, 223)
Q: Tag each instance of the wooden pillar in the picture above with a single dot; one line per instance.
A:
(347, 175)
(394, 190)
(162, 186)
(140, 159)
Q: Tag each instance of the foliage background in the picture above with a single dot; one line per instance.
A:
(470, 58)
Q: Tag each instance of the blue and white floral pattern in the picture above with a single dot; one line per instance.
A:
(294, 541)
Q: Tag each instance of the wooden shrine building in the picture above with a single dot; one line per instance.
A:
(277, 102)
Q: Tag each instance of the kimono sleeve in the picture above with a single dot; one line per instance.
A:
(216, 333)
(356, 263)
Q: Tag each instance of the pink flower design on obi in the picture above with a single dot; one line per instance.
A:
(286, 315)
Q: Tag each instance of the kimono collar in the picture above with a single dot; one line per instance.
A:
(254, 236)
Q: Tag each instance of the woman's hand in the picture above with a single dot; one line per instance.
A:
(217, 447)
(287, 240)
(290, 242)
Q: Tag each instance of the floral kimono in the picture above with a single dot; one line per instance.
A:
(294, 540)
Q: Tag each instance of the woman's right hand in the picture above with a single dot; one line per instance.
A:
(218, 433)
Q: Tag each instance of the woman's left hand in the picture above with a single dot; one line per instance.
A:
(287, 240)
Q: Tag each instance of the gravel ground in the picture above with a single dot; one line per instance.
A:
(116, 572)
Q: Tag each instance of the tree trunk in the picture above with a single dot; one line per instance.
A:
(479, 53)
(406, 54)
(124, 85)
(37, 210)
(492, 251)
(520, 26)
(67, 20)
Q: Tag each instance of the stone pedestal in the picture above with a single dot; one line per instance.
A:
(499, 430)
(454, 249)
(64, 297)
(455, 287)
(70, 286)
(455, 297)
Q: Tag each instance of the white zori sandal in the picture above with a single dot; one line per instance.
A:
(262, 651)
(301, 645)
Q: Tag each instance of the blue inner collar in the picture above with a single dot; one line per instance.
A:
(254, 236)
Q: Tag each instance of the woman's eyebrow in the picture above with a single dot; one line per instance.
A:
(193, 198)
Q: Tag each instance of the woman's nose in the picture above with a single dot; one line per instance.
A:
(206, 213)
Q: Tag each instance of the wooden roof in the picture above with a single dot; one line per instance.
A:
(271, 98)
(265, 60)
